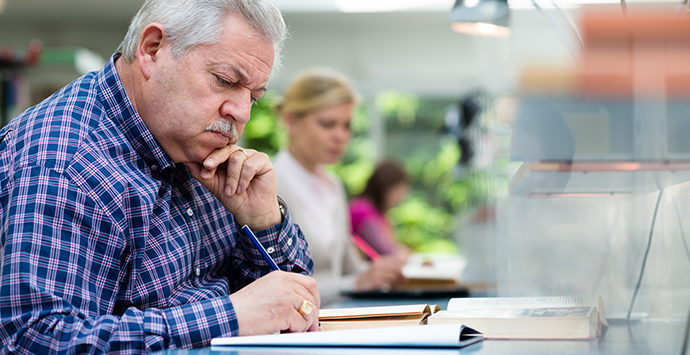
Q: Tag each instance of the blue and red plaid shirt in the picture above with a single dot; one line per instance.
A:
(106, 245)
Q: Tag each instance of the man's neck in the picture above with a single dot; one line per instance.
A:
(124, 71)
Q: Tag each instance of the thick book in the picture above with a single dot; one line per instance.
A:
(375, 317)
(566, 317)
(418, 336)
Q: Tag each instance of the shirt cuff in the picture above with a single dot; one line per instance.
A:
(195, 324)
(285, 243)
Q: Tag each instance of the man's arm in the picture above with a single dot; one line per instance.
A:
(62, 272)
(244, 182)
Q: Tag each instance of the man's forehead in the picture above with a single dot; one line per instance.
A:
(254, 53)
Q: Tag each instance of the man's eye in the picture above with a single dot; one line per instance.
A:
(223, 82)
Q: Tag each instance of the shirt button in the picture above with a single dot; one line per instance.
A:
(198, 272)
(270, 250)
(154, 167)
(289, 241)
(190, 212)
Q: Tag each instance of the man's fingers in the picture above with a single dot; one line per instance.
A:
(257, 164)
(307, 303)
(215, 160)
(315, 326)
(298, 323)
(309, 285)
(308, 317)
(207, 173)
(238, 164)
(248, 172)
(301, 311)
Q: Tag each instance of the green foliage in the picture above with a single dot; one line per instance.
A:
(430, 157)
(414, 136)
(421, 226)
(264, 131)
(359, 160)
(399, 105)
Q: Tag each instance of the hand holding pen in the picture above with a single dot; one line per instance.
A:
(277, 302)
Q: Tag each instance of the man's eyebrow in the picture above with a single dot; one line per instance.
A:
(244, 78)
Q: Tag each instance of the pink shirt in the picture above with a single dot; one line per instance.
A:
(372, 226)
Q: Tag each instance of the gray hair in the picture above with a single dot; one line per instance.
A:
(189, 23)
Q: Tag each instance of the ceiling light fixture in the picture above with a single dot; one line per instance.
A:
(481, 17)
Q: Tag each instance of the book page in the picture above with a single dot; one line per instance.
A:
(458, 304)
(338, 313)
(388, 321)
(431, 336)
(546, 312)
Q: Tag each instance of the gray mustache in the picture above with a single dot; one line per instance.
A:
(224, 127)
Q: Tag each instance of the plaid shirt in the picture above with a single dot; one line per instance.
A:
(106, 245)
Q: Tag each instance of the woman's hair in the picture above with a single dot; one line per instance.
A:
(314, 90)
(189, 23)
(387, 175)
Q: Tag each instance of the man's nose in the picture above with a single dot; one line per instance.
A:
(238, 107)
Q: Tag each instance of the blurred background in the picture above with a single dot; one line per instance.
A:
(516, 149)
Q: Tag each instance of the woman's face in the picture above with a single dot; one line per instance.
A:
(321, 137)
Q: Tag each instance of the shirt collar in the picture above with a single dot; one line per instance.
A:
(120, 109)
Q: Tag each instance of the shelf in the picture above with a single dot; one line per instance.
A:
(597, 178)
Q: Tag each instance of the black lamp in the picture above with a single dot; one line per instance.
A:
(481, 17)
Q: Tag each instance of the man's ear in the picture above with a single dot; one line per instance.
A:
(150, 43)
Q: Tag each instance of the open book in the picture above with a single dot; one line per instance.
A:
(425, 336)
(375, 317)
(567, 317)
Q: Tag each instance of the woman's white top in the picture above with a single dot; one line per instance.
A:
(318, 204)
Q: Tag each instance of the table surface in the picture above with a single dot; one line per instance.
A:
(647, 336)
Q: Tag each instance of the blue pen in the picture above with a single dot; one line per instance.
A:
(258, 245)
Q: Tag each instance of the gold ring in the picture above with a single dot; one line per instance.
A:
(306, 308)
(243, 152)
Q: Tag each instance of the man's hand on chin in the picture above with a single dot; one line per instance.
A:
(244, 181)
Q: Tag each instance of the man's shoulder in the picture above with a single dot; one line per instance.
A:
(54, 130)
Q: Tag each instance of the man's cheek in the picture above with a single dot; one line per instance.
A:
(240, 129)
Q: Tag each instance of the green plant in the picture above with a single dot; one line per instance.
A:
(264, 132)
(425, 221)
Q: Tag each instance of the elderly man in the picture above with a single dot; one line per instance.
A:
(121, 195)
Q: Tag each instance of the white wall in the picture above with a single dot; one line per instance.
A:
(410, 51)
(418, 52)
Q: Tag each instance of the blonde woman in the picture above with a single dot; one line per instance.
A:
(317, 109)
